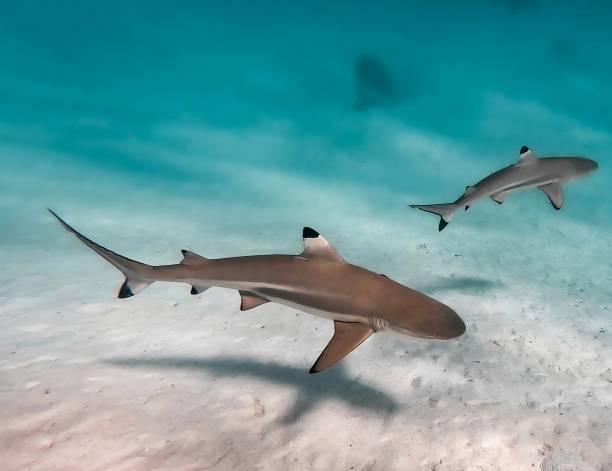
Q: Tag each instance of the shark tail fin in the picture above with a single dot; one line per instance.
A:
(137, 275)
(445, 211)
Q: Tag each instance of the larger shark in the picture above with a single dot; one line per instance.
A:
(546, 173)
(318, 281)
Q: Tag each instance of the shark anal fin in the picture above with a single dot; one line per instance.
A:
(191, 258)
(198, 289)
(554, 193)
(316, 247)
(499, 198)
(249, 300)
(347, 337)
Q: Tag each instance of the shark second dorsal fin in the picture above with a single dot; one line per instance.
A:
(250, 300)
(554, 192)
(316, 247)
(526, 156)
(191, 258)
(347, 337)
(469, 190)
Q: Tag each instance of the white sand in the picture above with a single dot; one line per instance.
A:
(227, 129)
(165, 380)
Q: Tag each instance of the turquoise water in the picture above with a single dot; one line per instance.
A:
(192, 100)
(226, 127)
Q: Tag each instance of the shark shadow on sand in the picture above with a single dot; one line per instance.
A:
(374, 87)
(464, 284)
(335, 385)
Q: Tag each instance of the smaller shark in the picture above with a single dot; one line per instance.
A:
(545, 173)
(317, 281)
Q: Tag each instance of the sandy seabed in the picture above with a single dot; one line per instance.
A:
(165, 380)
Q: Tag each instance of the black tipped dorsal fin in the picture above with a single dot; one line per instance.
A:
(316, 247)
(191, 258)
(526, 155)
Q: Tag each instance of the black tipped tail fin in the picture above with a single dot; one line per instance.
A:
(445, 211)
(137, 275)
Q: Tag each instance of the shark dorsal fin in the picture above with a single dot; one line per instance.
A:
(526, 156)
(347, 337)
(191, 258)
(316, 247)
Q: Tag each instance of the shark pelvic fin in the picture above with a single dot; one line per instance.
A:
(526, 156)
(132, 285)
(316, 247)
(499, 198)
(198, 289)
(191, 258)
(249, 300)
(554, 191)
(347, 337)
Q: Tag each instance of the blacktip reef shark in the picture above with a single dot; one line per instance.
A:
(317, 281)
(545, 173)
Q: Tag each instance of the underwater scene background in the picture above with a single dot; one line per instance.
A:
(224, 128)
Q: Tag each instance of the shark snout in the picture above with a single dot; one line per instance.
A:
(584, 166)
(591, 165)
(449, 325)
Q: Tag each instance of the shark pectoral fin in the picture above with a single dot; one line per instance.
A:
(249, 300)
(198, 289)
(499, 198)
(191, 258)
(316, 247)
(347, 337)
(554, 193)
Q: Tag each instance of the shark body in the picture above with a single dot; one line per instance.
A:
(546, 174)
(317, 281)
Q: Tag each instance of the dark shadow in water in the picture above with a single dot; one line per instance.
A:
(373, 83)
(332, 384)
(462, 284)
